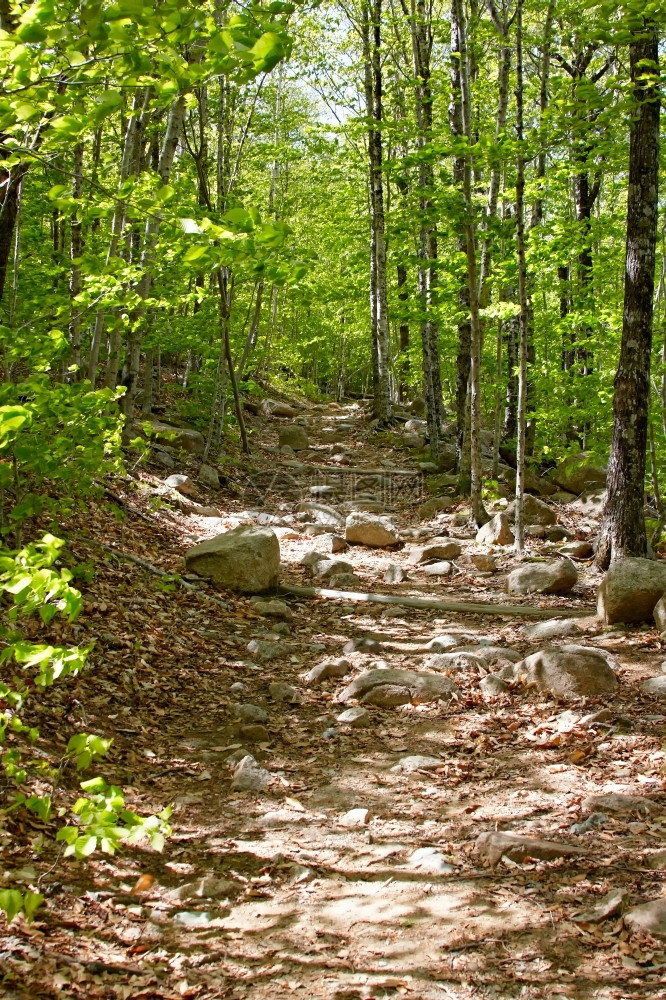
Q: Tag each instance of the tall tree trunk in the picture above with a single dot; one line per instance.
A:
(623, 524)
(422, 40)
(371, 14)
(463, 357)
(522, 285)
(76, 249)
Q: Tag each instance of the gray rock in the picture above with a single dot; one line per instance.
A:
(321, 513)
(294, 436)
(455, 660)
(496, 532)
(430, 861)
(535, 531)
(388, 696)
(630, 590)
(181, 438)
(556, 577)
(577, 474)
(277, 408)
(355, 818)
(209, 477)
(568, 672)
(326, 669)
(649, 918)
(593, 822)
(246, 558)
(656, 860)
(263, 651)
(492, 685)
(422, 687)
(162, 458)
(345, 581)
(552, 629)
(558, 534)
(608, 906)
(250, 713)
(659, 614)
(491, 654)
(395, 573)
(443, 643)
(284, 692)
(577, 550)
(362, 644)
(617, 802)
(237, 687)
(434, 506)
(208, 887)
(182, 484)
(492, 847)
(655, 685)
(438, 569)
(370, 529)
(535, 511)
(484, 562)
(324, 569)
(273, 608)
(249, 776)
(357, 717)
(417, 762)
(438, 548)
(416, 427)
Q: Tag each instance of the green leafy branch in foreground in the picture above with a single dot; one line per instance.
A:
(100, 819)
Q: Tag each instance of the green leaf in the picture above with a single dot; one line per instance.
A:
(11, 901)
(31, 903)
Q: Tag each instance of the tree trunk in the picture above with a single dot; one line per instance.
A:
(76, 249)
(522, 286)
(623, 524)
(464, 330)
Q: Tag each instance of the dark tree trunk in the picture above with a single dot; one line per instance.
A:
(623, 524)
(403, 332)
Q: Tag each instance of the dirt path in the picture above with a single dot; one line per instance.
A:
(287, 891)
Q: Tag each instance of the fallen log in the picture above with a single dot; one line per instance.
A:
(461, 607)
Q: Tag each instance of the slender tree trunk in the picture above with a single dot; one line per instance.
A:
(253, 332)
(463, 358)
(623, 524)
(76, 249)
(403, 332)
(522, 286)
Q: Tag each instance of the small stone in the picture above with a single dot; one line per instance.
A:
(394, 573)
(250, 776)
(208, 887)
(552, 629)
(429, 861)
(254, 732)
(182, 484)
(439, 548)
(659, 614)
(557, 533)
(403, 686)
(357, 718)
(251, 713)
(417, 762)
(284, 692)
(593, 822)
(482, 561)
(237, 687)
(362, 645)
(196, 919)
(274, 608)
(442, 568)
(293, 436)
(162, 458)
(344, 581)
(577, 550)
(263, 652)
(492, 847)
(655, 685)
(326, 569)
(608, 906)
(535, 531)
(326, 669)
(355, 818)
(330, 734)
(617, 802)
(443, 643)
(209, 477)
(394, 611)
(493, 686)
(656, 861)
(460, 518)
(650, 918)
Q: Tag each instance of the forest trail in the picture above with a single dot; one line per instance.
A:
(352, 874)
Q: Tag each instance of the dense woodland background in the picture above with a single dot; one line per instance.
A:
(408, 202)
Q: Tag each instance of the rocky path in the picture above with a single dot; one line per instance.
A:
(368, 801)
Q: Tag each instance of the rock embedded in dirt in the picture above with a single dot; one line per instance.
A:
(293, 436)
(659, 614)
(263, 651)
(273, 608)
(208, 887)
(617, 802)
(649, 918)
(553, 629)
(182, 484)
(558, 534)
(245, 559)
(394, 573)
(362, 528)
(281, 692)
(434, 506)
(577, 474)
(496, 532)
(491, 654)
(608, 906)
(321, 513)
(492, 847)
(630, 590)
(250, 713)
(355, 818)
(345, 581)
(535, 531)
(438, 548)
(209, 477)
(357, 718)
(324, 569)
(254, 732)
(443, 643)
(429, 861)
(656, 860)
(248, 776)
(182, 438)
(417, 762)
(327, 669)
(535, 511)
(655, 685)
(421, 687)
(276, 408)
(577, 550)
(568, 672)
(362, 645)
(455, 660)
(441, 568)
(492, 685)
(484, 562)
(556, 577)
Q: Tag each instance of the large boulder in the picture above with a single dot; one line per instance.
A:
(387, 688)
(184, 438)
(630, 590)
(534, 512)
(370, 529)
(556, 577)
(577, 474)
(293, 436)
(532, 482)
(496, 532)
(246, 559)
(568, 672)
(276, 408)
